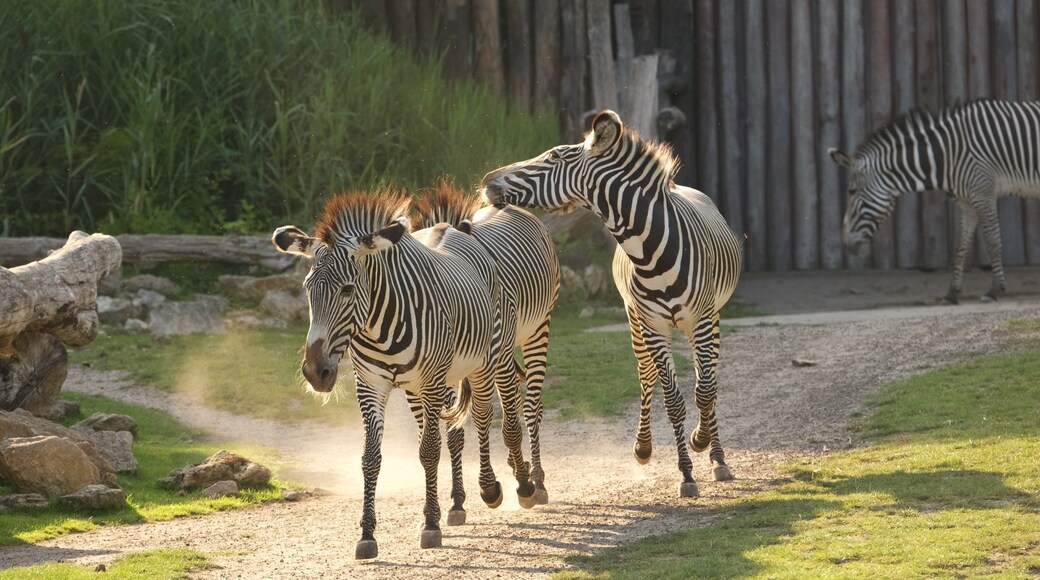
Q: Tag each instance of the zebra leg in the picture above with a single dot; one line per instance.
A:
(647, 379)
(456, 442)
(512, 431)
(534, 352)
(490, 488)
(705, 343)
(373, 406)
(429, 456)
(968, 221)
(660, 347)
(986, 207)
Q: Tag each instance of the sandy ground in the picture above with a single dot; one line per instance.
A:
(860, 329)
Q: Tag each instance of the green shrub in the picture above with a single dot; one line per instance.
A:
(178, 116)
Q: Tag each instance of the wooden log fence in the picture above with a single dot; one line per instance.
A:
(751, 95)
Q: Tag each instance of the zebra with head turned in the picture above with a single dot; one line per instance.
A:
(415, 314)
(974, 152)
(530, 273)
(676, 265)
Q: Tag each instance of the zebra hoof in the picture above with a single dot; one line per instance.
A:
(456, 517)
(366, 550)
(527, 502)
(492, 496)
(430, 539)
(951, 299)
(643, 453)
(721, 472)
(688, 489)
(698, 446)
(541, 496)
(989, 297)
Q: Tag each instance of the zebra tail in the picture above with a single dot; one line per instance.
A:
(457, 414)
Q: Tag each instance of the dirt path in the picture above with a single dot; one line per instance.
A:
(769, 411)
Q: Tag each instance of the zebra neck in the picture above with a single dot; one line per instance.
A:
(640, 221)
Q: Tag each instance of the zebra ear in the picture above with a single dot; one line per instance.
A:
(293, 240)
(840, 158)
(606, 132)
(382, 239)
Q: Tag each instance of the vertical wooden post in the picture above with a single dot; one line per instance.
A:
(778, 165)
(934, 249)
(601, 56)
(640, 111)
(546, 54)
(428, 37)
(879, 110)
(574, 71)
(731, 186)
(1026, 22)
(908, 234)
(756, 104)
(678, 39)
(707, 139)
(978, 75)
(853, 96)
(828, 104)
(487, 46)
(457, 39)
(518, 52)
(1004, 65)
(806, 194)
(626, 51)
(955, 91)
(401, 14)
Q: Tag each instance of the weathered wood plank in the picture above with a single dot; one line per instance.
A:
(977, 14)
(879, 110)
(547, 53)
(731, 183)
(1026, 22)
(519, 73)
(642, 99)
(706, 84)
(955, 90)
(1004, 65)
(908, 232)
(778, 166)
(401, 15)
(487, 46)
(853, 93)
(573, 93)
(601, 56)
(456, 32)
(806, 194)
(625, 43)
(934, 246)
(677, 37)
(755, 101)
(828, 102)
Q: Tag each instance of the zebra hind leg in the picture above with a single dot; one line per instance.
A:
(456, 442)
(660, 347)
(705, 342)
(534, 377)
(968, 221)
(429, 456)
(648, 374)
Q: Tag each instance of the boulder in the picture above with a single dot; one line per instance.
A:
(219, 302)
(222, 465)
(115, 311)
(11, 427)
(60, 410)
(163, 286)
(110, 451)
(570, 280)
(108, 422)
(135, 325)
(196, 316)
(221, 488)
(285, 306)
(48, 465)
(23, 501)
(596, 281)
(147, 300)
(93, 498)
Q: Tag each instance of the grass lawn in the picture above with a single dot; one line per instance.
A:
(949, 488)
(155, 565)
(162, 444)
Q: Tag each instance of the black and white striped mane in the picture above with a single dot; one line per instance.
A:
(668, 164)
(447, 204)
(359, 212)
(910, 122)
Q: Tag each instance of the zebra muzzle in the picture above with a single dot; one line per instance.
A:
(319, 371)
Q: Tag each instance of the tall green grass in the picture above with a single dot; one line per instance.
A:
(181, 116)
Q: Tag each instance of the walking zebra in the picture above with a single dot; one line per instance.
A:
(676, 265)
(530, 273)
(974, 152)
(415, 314)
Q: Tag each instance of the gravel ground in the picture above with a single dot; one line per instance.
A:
(770, 411)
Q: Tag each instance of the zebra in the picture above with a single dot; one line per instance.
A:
(529, 270)
(417, 313)
(676, 265)
(974, 152)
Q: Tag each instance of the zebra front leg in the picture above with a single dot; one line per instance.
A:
(534, 353)
(512, 433)
(986, 207)
(456, 442)
(429, 457)
(660, 347)
(968, 221)
(705, 343)
(648, 374)
(490, 488)
(373, 405)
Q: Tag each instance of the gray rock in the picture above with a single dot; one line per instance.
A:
(111, 285)
(135, 325)
(115, 311)
(110, 451)
(219, 302)
(285, 306)
(218, 467)
(148, 300)
(164, 286)
(60, 410)
(93, 498)
(293, 494)
(221, 488)
(23, 501)
(596, 281)
(172, 318)
(570, 280)
(47, 465)
(108, 422)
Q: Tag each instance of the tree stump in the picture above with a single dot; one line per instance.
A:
(45, 305)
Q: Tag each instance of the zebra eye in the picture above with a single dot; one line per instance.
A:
(347, 290)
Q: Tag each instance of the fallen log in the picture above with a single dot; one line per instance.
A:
(151, 249)
(45, 305)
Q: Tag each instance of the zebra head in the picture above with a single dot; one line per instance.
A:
(560, 178)
(337, 293)
(870, 200)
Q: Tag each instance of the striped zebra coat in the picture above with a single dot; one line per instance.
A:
(410, 313)
(530, 274)
(677, 262)
(975, 152)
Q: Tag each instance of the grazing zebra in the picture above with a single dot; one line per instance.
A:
(676, 265)
(974, 152)
(529, 271)
(413, 314)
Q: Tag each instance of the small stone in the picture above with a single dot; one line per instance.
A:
(135, 325)
(587, 312)
(109, 422)
(93, 497)
(293, 494)
(100, 568)
(23, 501)
(801, 362)
(221, 488)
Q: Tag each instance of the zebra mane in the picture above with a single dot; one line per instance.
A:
(661, 152)
(911, 121)
(447, 204)
(359, 212)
